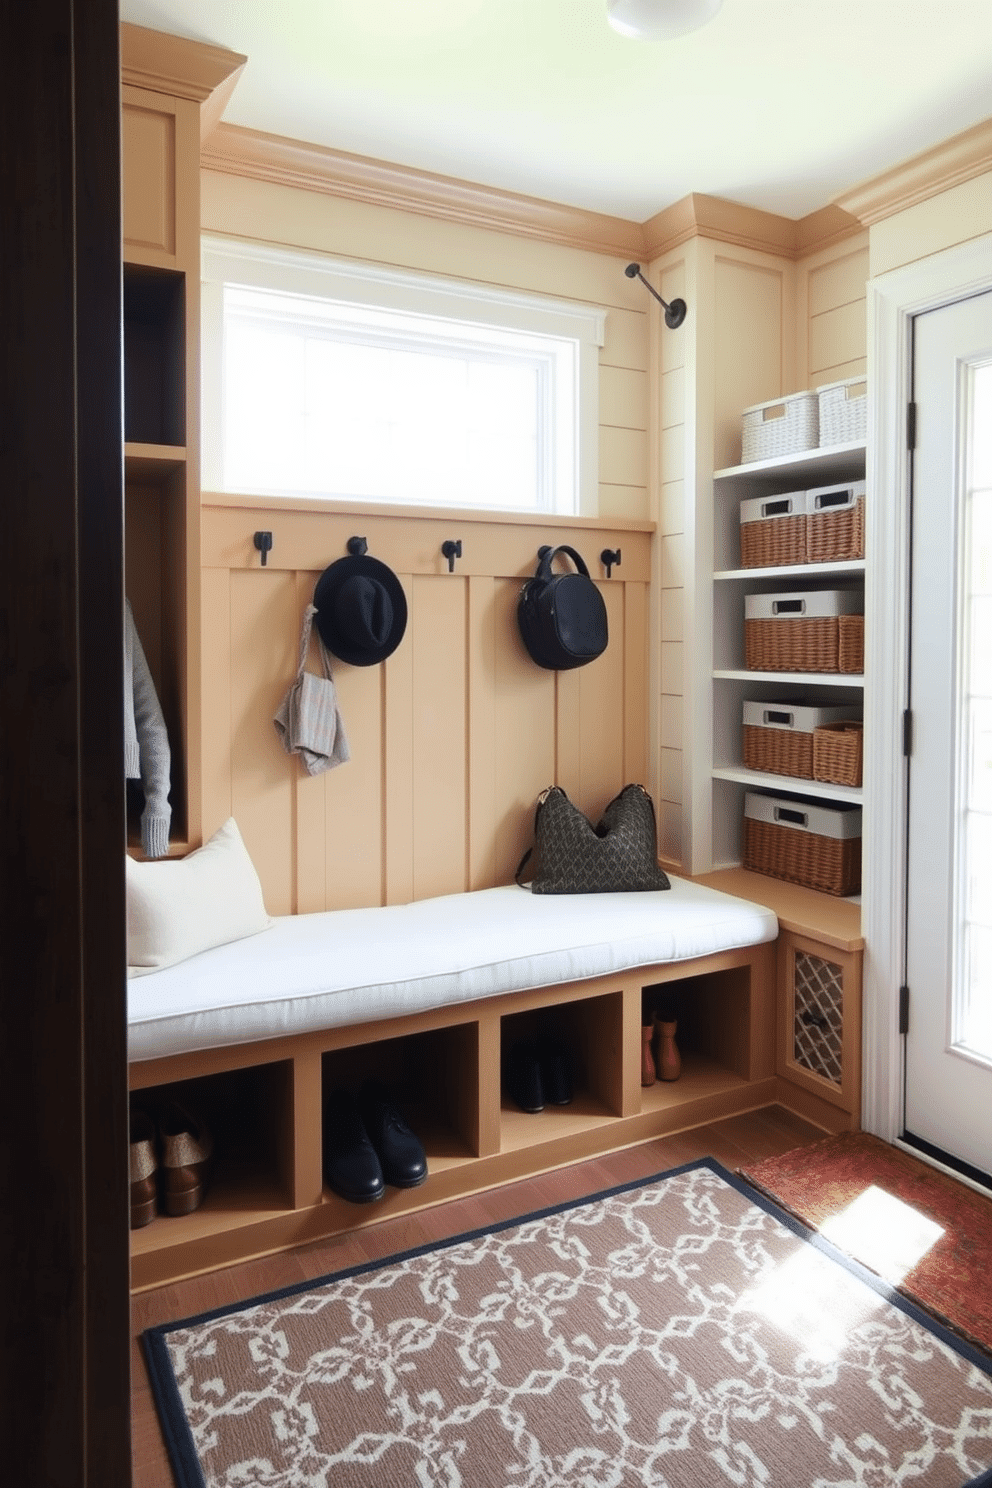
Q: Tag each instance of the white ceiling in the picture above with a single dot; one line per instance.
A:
(779, 104)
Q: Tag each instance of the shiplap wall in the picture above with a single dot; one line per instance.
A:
(452, 738)
(265, 211)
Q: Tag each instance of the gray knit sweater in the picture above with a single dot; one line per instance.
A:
(146, 743)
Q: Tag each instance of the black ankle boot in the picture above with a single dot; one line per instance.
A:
(351, 1164)
(523, 1077)
(400, 1150)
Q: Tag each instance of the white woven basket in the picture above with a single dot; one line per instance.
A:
(784, 426)
(843, 411)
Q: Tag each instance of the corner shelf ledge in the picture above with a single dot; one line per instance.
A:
(852, 794)
(793, 570)
(806, 679)
(152, 461)
(802, 463)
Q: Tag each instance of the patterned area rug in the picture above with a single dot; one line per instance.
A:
(825, 1186)
(679, 1333)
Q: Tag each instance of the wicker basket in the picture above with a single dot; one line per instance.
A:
(773, 530)
(837, 752)
(835, 523)
(843, 409)
(816, 846)
(782, 427)
(778, 737)
(800, 632)
(851, 644)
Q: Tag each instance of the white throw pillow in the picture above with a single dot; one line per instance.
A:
(179, 907)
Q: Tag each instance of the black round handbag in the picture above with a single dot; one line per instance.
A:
(562, 617)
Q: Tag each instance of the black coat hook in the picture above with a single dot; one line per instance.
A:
(263, 542)
(452, 549)
(357, 546)
(610, 558)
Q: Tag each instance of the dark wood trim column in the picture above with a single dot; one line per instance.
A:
(64, 1387)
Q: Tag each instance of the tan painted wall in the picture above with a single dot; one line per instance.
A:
(451, 739)
(274, 213)
(455, 736)
(953, 216)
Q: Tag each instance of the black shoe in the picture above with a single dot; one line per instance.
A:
(400, 1150)
(556, 1072)
(351, 1164)
(523, 1077)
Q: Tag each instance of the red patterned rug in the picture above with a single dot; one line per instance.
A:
(927, 1234)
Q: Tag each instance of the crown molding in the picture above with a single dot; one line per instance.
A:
(161, 63)
(269, 157)
(955, 160)
(234, 150)
(824, 229)
(701, 216)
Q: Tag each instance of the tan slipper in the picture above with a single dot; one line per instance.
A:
(187, 1148)
(144, 1164)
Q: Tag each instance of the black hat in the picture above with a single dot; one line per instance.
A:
(361, 610)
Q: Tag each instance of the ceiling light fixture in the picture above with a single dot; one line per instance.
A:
(674, 312)
(659, 20)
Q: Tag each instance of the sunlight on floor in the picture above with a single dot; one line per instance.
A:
(806, 1299)
(883, 1233)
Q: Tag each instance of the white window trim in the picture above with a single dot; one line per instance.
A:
(298, 271)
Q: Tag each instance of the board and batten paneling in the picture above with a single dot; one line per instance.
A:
(452, 738)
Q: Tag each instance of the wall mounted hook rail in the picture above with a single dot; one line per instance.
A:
(452, 549)
(263, 542)
(610, 559)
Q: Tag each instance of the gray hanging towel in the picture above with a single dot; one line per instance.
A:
(308, 720)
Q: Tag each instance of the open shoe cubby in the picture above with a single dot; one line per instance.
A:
(444, 1069)
(249, 1114)
(431, 1076)
(589, 1033)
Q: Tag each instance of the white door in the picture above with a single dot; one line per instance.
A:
(948, 1103)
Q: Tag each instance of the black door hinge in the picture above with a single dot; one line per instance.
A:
(911, 426)
(903, 1009)
(907, 732)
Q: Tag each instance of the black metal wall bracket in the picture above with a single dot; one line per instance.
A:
(610, 559)
(452, 549)
(358, 546)
(674, 312)
(263, 542)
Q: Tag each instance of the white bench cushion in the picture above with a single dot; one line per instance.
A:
(328, 970)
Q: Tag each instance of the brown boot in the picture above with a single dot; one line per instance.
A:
(186, 1150)
(143, 1166)
(667, 1059)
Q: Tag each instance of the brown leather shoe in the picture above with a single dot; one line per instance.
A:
(144, 1163)
(186, 1151)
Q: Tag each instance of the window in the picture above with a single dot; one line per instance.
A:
(349, 382)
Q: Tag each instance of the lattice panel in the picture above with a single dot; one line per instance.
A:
(818, 1016)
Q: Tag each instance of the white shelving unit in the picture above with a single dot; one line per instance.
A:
(732, 683)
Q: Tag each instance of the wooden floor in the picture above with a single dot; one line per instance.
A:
(735, 1142)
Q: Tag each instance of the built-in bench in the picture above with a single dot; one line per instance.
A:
(428, 997)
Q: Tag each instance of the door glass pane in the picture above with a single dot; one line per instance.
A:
(973, 1002)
